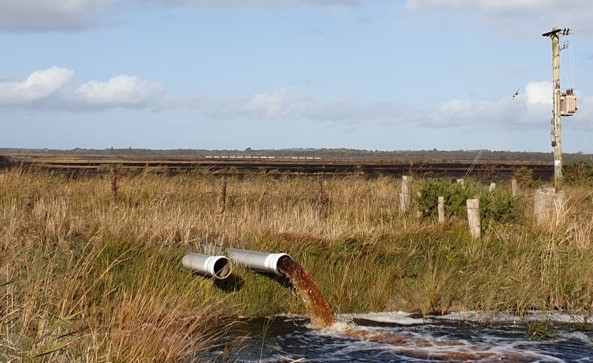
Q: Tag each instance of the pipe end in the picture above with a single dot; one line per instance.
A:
(283, 262)
(222, 268)
(218, 267)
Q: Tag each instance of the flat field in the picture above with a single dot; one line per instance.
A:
(89, 272)
(419, 164)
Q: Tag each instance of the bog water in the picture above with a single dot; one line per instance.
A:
(401, 337)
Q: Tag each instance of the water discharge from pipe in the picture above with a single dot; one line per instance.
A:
(322, 315)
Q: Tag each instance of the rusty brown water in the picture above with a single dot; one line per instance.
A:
(395, 337)
(321, 310)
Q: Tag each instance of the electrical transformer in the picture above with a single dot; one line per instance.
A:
(568, 103)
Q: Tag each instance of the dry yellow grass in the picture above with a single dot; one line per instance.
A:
(84, 277)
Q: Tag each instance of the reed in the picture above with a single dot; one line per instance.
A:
(84, 277)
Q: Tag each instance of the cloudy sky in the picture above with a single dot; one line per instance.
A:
(274, 74)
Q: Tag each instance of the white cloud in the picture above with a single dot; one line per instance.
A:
(474, 114)
(530, 109)
(279, 103)
(54, 89)
(283, 104)
(539, 92)
(257, 2)
(39, 85)
(542, 14)
(78, 15)
(49, 15)
(499, 6)
(120, 91)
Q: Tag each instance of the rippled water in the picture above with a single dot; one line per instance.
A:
(399, 337)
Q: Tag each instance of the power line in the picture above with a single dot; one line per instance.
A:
(578, 32)
(473, 165)
(570, 33)
(570, 77)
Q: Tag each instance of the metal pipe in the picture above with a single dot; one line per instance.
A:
(219, 267)
(258, 261)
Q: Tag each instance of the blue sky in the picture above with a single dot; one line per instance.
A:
(275, 74)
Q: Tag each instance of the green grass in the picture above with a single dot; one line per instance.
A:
(87, 278)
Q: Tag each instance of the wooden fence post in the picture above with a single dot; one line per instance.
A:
(473, 217)
(114, 186)
(222, 198)
(441, 208)
(321, 200)
(405, 197)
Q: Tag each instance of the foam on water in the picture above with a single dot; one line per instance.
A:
(535, 315)
(425, 347)
(397, 337)
(403, 337)
(398, 317)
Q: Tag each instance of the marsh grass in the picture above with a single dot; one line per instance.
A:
(88, 277)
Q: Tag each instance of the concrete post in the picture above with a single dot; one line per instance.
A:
(473, 217)
(548, 206)
(405, 197)
(441, 208)
(514, 187)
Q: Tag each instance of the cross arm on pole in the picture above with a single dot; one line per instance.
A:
(552, 32)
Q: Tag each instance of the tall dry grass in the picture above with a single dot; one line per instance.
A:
(85, 276)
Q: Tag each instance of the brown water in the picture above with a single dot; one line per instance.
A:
(423, 342)
(436, 349)
(322, 315)
(395, 337)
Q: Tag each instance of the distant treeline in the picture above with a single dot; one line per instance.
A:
(323, 153)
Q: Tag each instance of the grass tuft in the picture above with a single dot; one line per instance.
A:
(86, 278)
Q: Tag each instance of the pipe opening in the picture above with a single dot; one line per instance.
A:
(301, 279)
(222, 268)
(283, 264)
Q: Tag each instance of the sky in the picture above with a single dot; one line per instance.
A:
(281, 74)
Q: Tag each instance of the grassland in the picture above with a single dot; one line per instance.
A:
(85, 276)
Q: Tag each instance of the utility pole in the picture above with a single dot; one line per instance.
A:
(556, 118)
(564, 104)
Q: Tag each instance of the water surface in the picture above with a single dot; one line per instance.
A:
(400, 337)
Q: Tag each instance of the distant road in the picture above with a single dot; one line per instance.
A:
(228, 165)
